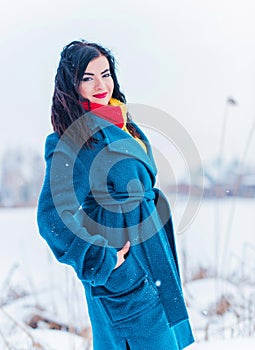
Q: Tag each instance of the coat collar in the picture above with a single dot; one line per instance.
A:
(119, 141)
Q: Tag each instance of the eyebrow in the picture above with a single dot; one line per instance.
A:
(101, 72)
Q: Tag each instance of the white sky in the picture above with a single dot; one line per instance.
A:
(184, 57)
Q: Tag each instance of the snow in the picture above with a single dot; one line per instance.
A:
(211, 241)
(33, 284)
(59, 340)
(50, 340)
(231, 344)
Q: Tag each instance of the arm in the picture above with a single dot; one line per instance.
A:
(90, 256)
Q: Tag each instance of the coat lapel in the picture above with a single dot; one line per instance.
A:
(148, 145)
(121, 142)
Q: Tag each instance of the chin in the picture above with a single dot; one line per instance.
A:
(101, 101)
(105, 103)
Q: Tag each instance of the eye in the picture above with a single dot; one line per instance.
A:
(107, 75)
(86, 79)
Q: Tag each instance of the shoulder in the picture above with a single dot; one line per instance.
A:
(56, 144)
(52, 139)
(50, 144)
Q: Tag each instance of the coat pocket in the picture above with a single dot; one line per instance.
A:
(127, 292)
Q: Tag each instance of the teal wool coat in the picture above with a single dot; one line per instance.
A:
(92, 201)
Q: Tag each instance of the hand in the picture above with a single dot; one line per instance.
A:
(121, 253)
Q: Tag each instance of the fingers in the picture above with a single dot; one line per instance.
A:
(121, 253)
(125, 248)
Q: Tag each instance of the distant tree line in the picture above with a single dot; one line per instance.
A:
(224, 179)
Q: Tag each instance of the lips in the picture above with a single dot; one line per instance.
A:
(100, 95)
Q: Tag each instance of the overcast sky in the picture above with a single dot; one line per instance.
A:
(184, 57)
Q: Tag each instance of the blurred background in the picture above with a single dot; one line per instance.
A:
(191, 59)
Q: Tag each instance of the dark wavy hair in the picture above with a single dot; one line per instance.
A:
(66, 107)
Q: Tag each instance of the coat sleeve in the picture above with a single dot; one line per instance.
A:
(64, 189)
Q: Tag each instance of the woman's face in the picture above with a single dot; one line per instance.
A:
(97, 84)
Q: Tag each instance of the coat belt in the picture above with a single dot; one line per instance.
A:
(114, 198)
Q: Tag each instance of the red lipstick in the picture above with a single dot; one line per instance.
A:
(100, 95)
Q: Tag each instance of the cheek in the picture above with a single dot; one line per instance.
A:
(84, 91)
(111, 85)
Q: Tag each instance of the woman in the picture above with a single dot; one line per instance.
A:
(100, 212)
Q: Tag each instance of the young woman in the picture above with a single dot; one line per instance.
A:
(100, 213)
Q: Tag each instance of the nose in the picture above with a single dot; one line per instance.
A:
(99, 84)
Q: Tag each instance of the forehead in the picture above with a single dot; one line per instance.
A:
(98, 64)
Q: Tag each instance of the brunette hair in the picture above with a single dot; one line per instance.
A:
(66, 107)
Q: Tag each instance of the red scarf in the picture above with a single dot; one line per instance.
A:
(110, 113)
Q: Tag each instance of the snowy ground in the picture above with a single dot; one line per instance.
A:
(39, 296)
(234, 344)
